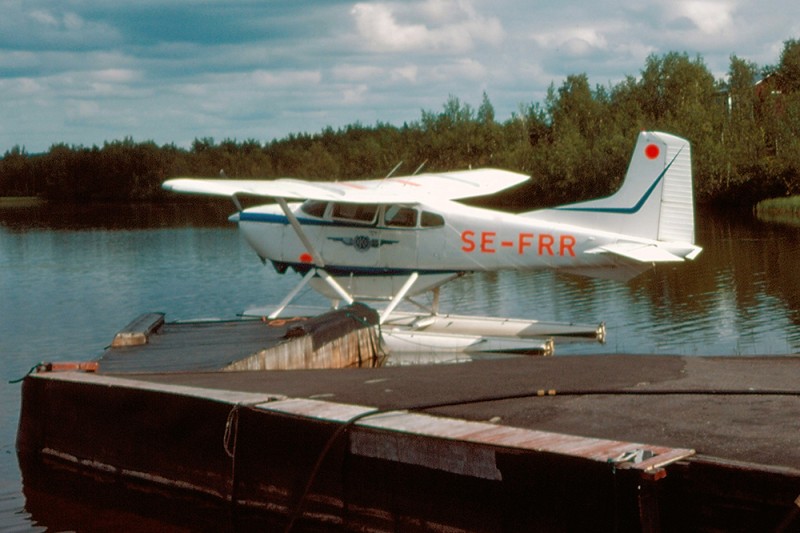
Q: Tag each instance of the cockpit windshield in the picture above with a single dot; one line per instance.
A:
(400, 217)
(315, 208)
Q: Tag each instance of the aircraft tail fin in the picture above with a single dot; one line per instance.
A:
(655, 202)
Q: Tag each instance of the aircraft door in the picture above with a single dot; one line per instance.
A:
(432, 245)
(353, 239)
(399, 238)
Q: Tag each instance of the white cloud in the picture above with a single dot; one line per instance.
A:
(115, 75)
(350, 72)
(264, 78)
(466, 68)
(405, 73)
(17, 87)
(82, 110)
(25, 24)
(710, 16)
(44, 17)
(577, 42)
(18, 59)
(378, 25)
(353, 95)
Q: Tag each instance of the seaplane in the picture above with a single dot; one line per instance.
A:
(393, 239)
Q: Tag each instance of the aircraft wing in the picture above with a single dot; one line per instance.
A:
(279, 188)
(410, 189)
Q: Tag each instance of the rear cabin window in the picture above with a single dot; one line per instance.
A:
(397, 216)
(431, 220)
(315, 208)
(363, 213)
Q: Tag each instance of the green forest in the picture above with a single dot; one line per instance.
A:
(744, 131)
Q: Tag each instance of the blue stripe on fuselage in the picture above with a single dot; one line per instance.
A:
(273, 218)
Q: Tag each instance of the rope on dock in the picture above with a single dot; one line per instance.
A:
(230, 438)
(28, 373)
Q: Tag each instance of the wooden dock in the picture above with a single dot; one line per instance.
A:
(337, 339)
(618, 443)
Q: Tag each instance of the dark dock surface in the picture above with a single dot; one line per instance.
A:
(483, 439)
(739, 408)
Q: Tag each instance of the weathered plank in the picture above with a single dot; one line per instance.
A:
(138, 332)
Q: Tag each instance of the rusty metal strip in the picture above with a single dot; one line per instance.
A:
(422, 425)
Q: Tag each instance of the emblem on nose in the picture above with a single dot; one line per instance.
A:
(362, 243)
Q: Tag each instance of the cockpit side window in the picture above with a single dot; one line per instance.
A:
(315, 208)
(431, 220)
(400, 217)
(364, 213)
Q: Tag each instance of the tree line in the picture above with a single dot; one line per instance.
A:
(576, 144)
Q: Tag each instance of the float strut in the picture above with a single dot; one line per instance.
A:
(399, 296)
(293, 293)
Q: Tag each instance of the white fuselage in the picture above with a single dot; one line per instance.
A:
(380, 237)
(445, 237)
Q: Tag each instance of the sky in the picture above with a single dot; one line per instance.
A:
(83, 72)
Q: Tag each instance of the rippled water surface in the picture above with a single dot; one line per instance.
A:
(71, 277)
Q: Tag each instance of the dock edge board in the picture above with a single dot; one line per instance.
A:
(400, 430)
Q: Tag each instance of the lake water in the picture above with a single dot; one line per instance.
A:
(71, 277)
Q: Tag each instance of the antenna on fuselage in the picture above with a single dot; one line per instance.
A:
(419, 168)
(389, 175)
(235, 200)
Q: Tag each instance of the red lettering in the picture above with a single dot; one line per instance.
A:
(546, 243)
(487, 240)
(566, 244)
(466, 238)
(524, 242)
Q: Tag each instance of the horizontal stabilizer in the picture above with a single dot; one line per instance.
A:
(643, 253)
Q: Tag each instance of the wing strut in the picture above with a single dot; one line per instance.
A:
(318, 262)
(316, 257)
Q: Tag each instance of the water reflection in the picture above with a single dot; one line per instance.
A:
(742, 294)
(788, 218)
(195, 213)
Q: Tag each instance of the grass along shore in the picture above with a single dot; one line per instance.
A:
(779, 205)
(20, 201)
(786, 209)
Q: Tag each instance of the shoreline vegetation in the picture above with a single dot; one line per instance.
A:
(744, 132)
(785, 210)
(21, 201)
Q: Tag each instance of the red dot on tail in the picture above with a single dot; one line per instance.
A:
(651, 151)
(306, 258)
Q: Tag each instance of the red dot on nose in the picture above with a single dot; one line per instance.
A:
(305, 258)
(651, 151)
